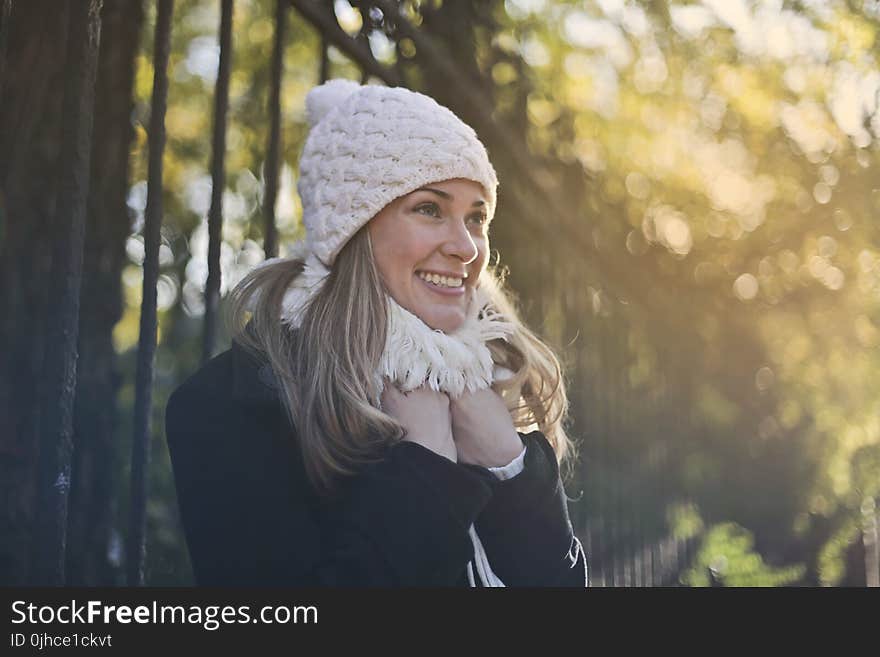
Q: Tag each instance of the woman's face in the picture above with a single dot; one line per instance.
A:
(430, 247)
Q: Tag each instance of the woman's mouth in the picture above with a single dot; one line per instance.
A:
(449, 286)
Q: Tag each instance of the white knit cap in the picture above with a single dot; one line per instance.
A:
(369, 145)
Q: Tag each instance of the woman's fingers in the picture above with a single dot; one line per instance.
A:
(424, 414)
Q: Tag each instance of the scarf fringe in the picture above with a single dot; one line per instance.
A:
(455, 363)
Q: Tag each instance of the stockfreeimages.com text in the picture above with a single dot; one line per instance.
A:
(211, 617)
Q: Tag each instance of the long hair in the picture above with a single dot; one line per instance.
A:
(326, 368)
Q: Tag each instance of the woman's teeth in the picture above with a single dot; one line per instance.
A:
(436, 279)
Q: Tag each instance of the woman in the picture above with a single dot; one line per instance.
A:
(363, 428)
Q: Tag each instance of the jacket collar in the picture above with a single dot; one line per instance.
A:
(253, 380)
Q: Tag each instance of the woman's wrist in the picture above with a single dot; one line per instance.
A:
(439, 443)
(490, 454)
(512, 469)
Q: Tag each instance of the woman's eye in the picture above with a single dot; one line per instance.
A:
(433, 210)
(429, 209)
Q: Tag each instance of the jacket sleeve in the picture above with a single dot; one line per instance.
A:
(249, 522)
(525, 527)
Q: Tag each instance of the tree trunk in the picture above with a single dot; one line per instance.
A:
(97, 458)
(31, 116)
(66, 246)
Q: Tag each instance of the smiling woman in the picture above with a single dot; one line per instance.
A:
(368, 425)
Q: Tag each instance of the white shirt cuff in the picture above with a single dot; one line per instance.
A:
(511, 469)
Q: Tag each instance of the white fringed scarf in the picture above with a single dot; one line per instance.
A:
(416, 355)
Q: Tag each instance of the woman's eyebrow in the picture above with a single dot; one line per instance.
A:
(447, 196)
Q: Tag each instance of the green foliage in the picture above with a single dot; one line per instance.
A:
(727, 555)
(832, 556)
(684, 520)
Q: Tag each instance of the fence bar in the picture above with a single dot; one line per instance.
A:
(273, 150)
(218, 180)
(324, 73)
(56, 432)
(363, 34)
(870, 542)
(5, 16)
(140, 449)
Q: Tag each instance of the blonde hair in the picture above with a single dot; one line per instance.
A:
(325, 368)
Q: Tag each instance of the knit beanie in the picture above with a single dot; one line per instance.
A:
(369, 145)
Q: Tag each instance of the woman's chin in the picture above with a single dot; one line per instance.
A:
(448, 322)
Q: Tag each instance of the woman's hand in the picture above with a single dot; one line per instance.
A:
(483, 430)
(424, 414)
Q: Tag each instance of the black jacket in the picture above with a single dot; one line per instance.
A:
(251, 518)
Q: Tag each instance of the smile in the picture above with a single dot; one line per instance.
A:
(444, 285)
(438, 279)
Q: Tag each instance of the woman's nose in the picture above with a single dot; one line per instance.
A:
(460, 243)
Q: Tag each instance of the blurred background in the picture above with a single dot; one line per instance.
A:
(688, 209)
